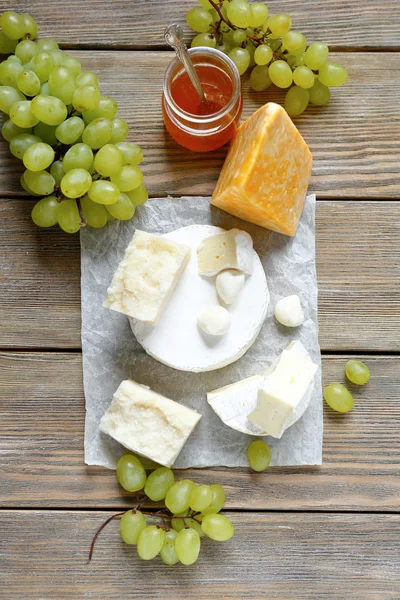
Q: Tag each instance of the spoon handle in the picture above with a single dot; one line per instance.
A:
(174, 37)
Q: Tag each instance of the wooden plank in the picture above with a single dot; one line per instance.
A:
(358, 257)
(274, 556)
(354, 140)
(98, 23)
(42, 421)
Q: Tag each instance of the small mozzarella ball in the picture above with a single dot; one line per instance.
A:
(229, 284)
(288, 311)
(214, 320)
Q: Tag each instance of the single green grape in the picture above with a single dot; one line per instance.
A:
(38, 157)
(104, 192)
(57, 171)
(241, 58)
(47, 45)
(259, 14)
(279, 24)
(69, 131)
(75, 183)
(238, 37)
(239, 13)
(338, 397)
(94, 213)
(40, 182)
(150, 542)
(97, 133)
(224, 47)
(6, 44)
(293, 41)
(73, 65)
(62, 84)
(49, 110)
(47, 133)
(29, 24)
(259, 78)
(263, 55)
(319, 94)
(132, 153)
(204, 39)
(122, 209)
(332, 74)
(139, 195)
(128, 178)
(26, 50)
(21, 114)
(79, 156)
(42, 64)
(119, 130)
(108, 160)
(296, 101)
(87, 78)
(280, 74)
(12, 25)
(28, 83)
(158, 483)
(107, 108)
(187, 546)
(168, 552)
(178, 523)
(21, 142)
(200, 498)
(9, 71)
(303, 77)
(177, 498)
(199, 19)
(25, 187)
(130, 472)
(218, 500)
(217, 527)
(10, 130)
(259, 455)
(14, 58)
(357, 372)
(44, 89)
(8, 97)
(316, 55)
(86, 97)
(131, 525)
(59, 56)
(44, 213)
(68, 216)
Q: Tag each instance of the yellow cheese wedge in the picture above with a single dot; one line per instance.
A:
(265, 176)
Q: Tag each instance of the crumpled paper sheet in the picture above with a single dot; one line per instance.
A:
(111, 352)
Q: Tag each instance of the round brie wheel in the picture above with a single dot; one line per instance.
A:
(177, 341)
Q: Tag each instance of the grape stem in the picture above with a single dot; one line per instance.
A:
(100, 529)
(82, 216)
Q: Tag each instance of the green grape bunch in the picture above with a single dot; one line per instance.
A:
(67, 134)
(276, 53)
(191, 511)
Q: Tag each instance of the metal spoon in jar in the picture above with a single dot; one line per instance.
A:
(174, 37)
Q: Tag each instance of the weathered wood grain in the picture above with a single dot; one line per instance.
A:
(275, 556)
(354, 140)
(42, 421)
(98, 23)
(358, 257)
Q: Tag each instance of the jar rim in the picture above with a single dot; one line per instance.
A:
(235, 77)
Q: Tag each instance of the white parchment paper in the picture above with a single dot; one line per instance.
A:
(111, 352)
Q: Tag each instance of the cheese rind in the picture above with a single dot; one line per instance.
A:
(266, 173)
(228, 250)
(147, 276)
(148, 423)
(285, 390)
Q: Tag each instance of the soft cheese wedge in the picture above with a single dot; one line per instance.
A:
(148, 423)
(266, 173)
(228, 250)
(283, 396)
(147, 276)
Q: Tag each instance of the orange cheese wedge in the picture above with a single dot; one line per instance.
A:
(265, 176)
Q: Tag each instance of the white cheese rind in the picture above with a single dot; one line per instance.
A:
(288, 311)
(146, 277)
(214, 320)
(285, 391)
(228, 250)
(147, 423)
(229, 284)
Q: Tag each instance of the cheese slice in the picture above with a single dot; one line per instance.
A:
(266, 173)
(147, 276)
(148, 423)
(228, 250)
(282, 397)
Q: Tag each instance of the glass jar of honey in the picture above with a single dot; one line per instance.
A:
(202, 125)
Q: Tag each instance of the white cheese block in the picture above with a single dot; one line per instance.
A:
(214, 320)
(282, 397)
(288, 311)
(177, 341)
(228, 250)
(147, 276)
(229, 284)
(148, 423)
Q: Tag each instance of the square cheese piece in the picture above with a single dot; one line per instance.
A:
(148, 423)
(285, 391)
(265, 176)
(147, 276)
(229, 250)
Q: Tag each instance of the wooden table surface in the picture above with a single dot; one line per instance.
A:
(329, 532)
